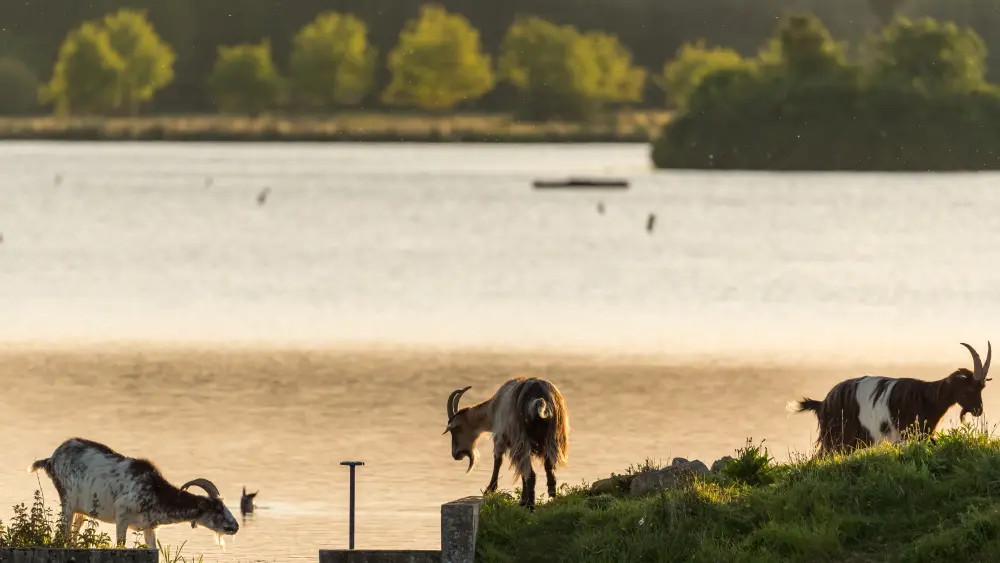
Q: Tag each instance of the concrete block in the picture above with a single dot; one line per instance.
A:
(44, 555)
(378, 556)
(459, 526)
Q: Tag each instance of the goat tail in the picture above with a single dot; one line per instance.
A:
(40, 464)
(805, 404)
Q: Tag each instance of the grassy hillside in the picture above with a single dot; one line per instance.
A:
(912, 503)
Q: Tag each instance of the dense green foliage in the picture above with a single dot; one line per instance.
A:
(919, 502)
(332, 62)
(245, 80)
(104, 66)
(148, 61)
(437, 63)
(38, 527)
(85, 79)
(918, 102)
(560, 72)
(33, 31)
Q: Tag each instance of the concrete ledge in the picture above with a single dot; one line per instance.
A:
(459, 526)
(378, 556)
(44, 555)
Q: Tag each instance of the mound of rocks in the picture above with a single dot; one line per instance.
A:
(679, 472)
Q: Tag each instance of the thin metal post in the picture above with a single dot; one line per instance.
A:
(352, 465)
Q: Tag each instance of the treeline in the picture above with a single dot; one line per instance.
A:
(32, 32)
(118, 63)
(917, 99)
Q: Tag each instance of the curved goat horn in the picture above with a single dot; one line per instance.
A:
(977, 364)
(453, 400)
(210, 488)
(989, 355)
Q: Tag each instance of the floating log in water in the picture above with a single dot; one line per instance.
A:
(599, 183)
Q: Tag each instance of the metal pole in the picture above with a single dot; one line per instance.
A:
(352, 465)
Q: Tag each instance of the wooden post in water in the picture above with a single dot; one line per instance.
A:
(352, 465)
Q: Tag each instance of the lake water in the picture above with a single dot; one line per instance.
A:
(149, 301)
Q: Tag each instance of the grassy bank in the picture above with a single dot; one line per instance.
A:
(623, 127)
(913, 503)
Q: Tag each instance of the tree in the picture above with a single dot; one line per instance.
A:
(438, 62)
(85, 78)
(682, 76)
(563, 73)
(553, 67)
(929, 56)
(332, 62)
(804, 48)
(18, 87)
(245, 80)
(148, 61)
(618, 80)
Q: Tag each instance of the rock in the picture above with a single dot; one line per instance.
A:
(680, 472)
(655, 480)
(721, 463)
(697, 466)
(603, 486)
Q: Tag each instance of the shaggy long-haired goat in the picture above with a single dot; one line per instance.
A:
(528, 418)
(866, 410)
(131, 493)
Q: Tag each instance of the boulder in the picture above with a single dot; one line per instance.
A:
(721, 463)
(680, 472)
(655, 480)
(697, 466)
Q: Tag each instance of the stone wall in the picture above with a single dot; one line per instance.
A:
(78, 556)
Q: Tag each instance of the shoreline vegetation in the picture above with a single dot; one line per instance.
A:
(898, 94)
(620, 127)
(915, 502)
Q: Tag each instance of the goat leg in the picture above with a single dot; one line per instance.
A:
(121, 530)
(150, 538)
(497, 462)
(550, 478)
(528, 490)
(78, 520)
(67, 523)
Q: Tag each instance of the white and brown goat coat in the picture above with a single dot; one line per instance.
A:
(130, 493)
(527, 417)
(865, 410)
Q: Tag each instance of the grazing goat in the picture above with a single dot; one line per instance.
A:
(869, 409)
(527, 417)
(130, 493)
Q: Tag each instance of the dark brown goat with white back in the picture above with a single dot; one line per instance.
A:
(528, 418)
(866, 410)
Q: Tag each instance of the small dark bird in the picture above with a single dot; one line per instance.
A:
(246, 501)
(600, 207)
(651, 222)
(262, 196)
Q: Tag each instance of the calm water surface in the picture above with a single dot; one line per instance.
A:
(753, 289)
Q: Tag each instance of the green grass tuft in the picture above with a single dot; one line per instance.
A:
(920, 501)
